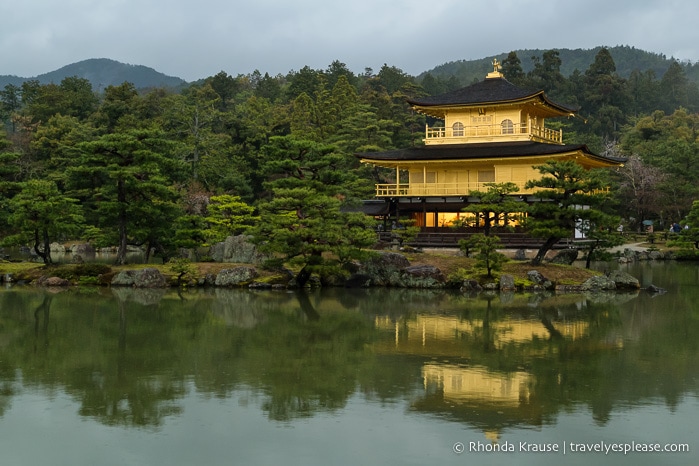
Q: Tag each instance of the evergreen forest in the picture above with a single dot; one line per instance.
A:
(274, 155)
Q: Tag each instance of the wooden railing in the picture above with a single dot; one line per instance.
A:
(474, 133)
(433, 189)
(450, 239)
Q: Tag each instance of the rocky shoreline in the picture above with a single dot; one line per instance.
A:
(384, 269)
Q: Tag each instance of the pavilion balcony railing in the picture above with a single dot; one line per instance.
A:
(513, 132)
(433, 189)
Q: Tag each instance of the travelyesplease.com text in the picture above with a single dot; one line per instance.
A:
(606, 448)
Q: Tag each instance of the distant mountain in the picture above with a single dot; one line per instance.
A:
(103, 72)
(626, 59)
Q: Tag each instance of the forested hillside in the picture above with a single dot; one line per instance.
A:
(102, 72)
(274, 155)
(627, 60)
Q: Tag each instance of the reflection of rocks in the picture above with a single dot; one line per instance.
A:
(610, 297)
(144, 296)
(245, 309)
(652, 289)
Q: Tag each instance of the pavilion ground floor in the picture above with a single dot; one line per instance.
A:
(443, 223)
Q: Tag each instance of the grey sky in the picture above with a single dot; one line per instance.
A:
(195, 39)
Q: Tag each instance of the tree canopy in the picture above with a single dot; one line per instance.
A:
(276, 153)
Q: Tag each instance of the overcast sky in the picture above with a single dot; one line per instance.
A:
(194, 39)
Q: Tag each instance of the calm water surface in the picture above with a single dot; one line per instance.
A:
(339, 377)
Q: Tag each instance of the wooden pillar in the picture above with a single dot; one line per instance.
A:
(424, 215)
(397, 180)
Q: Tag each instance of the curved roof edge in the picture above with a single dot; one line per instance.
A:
(487, 92)
(484, 150)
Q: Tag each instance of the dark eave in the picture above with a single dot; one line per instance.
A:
(443, 152)
(490, 91)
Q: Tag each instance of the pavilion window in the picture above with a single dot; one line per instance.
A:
(486, 176)
(458, 129)
(507, 126)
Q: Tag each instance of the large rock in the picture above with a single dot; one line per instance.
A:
(471, 285)
(358, 280)
(598, 283)
(83, 249)
(124, 278)
(237, 249)
(142, 278)
(507, 282)
(566, 256)
(385, 268)
(57, 247)
(52, 281)
(539, 280)
(422, 276)
(624, 281)
(237, 276)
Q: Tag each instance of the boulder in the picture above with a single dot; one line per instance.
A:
(598, 283)
(83, 249)
(358, 280)
(507, 282)
(385, 268)
(624, 281)
(566, 256)
(236, 276)
(536, 277)
(540, 282)
(53, 281)
(124, 278)
(422, 276)
(471, 285)
(57, 248)
(142, 278)
(237, 249)
(656, 255)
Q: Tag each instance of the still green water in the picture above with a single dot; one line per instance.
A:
(339, 377)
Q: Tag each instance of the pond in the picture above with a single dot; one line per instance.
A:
(335, 377)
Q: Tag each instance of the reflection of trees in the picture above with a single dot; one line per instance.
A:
(129, 358)
(310, 360)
